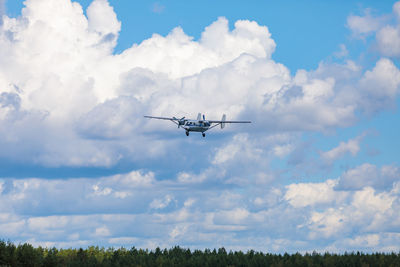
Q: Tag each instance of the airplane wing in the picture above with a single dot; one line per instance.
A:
(223, 121)
(162, 118)
(229, 121)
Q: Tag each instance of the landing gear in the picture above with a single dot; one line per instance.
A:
(204, 135)
(187, 133)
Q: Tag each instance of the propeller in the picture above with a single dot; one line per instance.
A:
(181, 121)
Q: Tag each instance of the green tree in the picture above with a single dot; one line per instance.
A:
(27, 255)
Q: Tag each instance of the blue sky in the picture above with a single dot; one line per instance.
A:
(318, 169)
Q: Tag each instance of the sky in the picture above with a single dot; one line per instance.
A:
(316, 170)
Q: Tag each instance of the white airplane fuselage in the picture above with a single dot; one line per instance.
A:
(196, 126)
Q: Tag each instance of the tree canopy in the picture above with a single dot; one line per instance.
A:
(27, 255)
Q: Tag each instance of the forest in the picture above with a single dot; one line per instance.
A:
(27, 255)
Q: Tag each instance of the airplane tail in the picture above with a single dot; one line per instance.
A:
(199, 117)
(223, 123)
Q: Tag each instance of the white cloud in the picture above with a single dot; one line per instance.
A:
(327, 224)
(368, 175)
(371, 240)
(320, 215)
(306, 194)
(67, 100)
(368, 243)
(48, 224)
(283, 150)
(367, 211)
(102, 18)
(161, 203)
(264, 178)
(133, 179)
(12, 228)
(343, 51)
(122, 194)
(126, 240)
(216, 46)
(70, 75)
(178, 231)
(248, 148)
(235, 216)
(364, 25)
(101, 192)
(388, 39)
(380, 86)
(310, 102)
(226, 153)
(352, 146)
(396, 9)
(185, 177)
(102, 231)
(366, 200)
(260, 44)
(84, 105)
(386, 30)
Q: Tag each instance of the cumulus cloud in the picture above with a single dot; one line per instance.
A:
(367, 211)
(389, 41)
(352, 146)
(364, 25)
(84, 105)
(239, 148)
(66, 99)
(396, 9)
(298, 217)
(386, 29)
(369, 175)
(343, 52)
(388, 37)
(306, 194)
(345, 213)
(161, 203)
(380, 86)
(102, 18)
(71, 75)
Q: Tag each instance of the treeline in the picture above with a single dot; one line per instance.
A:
(27, 255)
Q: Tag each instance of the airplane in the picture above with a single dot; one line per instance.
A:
(198, 125)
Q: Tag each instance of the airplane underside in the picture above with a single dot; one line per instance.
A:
(196, 129)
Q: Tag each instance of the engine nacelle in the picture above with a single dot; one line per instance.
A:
(223, 123)
(181, 123)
